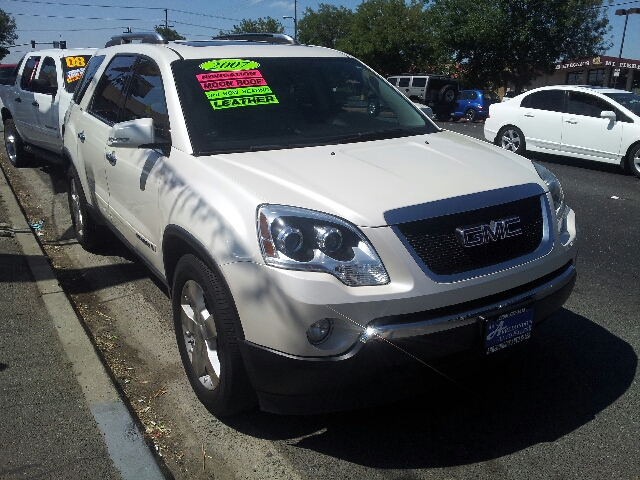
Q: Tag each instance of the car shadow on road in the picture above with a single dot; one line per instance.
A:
(569, 372)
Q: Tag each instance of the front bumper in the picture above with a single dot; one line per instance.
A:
(393, 352)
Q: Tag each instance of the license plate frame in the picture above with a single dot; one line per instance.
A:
(507, 329)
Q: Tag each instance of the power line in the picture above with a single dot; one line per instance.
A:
(87, 18)
(131, 7)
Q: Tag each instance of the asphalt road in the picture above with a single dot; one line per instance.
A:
(567, 406)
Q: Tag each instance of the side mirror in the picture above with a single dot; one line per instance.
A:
(132, 133)
(138, 133)
(609, 115)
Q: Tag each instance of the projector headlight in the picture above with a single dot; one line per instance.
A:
(299, 239)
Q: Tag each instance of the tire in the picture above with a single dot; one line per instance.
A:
(470, 115)
(447, 94)
(86, 229)
(633, 161)
(511, 138)
(206, 325)
(14, 145)
(373, 108)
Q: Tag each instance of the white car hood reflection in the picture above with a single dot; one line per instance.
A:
(361, 181)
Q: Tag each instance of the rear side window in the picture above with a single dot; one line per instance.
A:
(419, 82)
(87, 77)
(393, 80)
(108, 96)
(29, 72)
(550, 100)
(404, 82)
(584, 104)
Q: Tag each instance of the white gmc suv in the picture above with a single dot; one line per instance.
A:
(319, 256)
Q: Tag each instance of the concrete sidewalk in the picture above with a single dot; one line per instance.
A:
(60, 415)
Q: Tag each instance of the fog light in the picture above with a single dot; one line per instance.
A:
(320, 331)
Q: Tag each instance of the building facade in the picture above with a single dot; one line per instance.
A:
(600, 71)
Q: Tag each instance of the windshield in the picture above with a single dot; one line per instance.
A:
(629, 100)
(233, 105)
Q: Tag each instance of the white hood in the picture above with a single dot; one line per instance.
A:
(360, 182)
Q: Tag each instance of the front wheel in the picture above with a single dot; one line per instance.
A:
(206, 325)
(633, 161)
(13, 144)
(511, 138)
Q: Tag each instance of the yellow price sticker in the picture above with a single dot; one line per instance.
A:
(73, 62)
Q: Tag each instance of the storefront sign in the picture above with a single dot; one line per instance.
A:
(599, 62)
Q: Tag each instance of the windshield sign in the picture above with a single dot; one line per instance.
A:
(248, 104)
(73, 68)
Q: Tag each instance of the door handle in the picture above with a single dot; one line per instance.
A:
(35, 104)
(571, 121)
(18, 99)
(111, 158)
(529, 115)
(81, 136)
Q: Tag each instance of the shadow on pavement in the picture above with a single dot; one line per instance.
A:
(569, 372)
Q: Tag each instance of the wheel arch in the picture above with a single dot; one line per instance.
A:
(500, 130)
(6, 114)
(178, 242)
(625, 157)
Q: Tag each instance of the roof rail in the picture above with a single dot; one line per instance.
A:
(141, 37)
(279, 38)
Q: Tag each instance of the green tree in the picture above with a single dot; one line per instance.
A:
(169, 33)
(392, 36)
(261, 25)
(8, 34)
(325, 26)
(511, 42)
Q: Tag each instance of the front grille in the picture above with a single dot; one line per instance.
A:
(435, 242)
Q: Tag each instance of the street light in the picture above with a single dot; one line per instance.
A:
(625, 12)
(295, 18)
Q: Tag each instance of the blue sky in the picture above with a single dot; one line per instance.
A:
(90, 23)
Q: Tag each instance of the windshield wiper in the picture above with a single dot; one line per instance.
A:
(376, 135)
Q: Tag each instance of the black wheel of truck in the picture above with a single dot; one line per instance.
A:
(205, 321)
(86, 229)
(13, 143)
(447, 94)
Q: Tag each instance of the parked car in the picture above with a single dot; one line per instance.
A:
(474, 104)
(594, 123)
(317, 256)
(438, 92)
(7, 73)
(33, 104)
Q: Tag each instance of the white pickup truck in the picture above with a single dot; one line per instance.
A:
(33, 106)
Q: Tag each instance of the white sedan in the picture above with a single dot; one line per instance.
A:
(593, 123)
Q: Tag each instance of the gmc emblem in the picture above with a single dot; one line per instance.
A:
(494, 231)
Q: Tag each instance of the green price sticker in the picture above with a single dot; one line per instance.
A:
(229, 65)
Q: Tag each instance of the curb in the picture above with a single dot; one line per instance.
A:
(126, 446)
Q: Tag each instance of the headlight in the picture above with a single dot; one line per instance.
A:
(556, 192)
(298, 239)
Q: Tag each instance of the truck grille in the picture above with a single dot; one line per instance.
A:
(435, 242)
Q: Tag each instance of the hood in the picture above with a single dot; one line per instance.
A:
(360, 182)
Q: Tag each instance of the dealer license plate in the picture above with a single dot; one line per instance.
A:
(508, 329)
